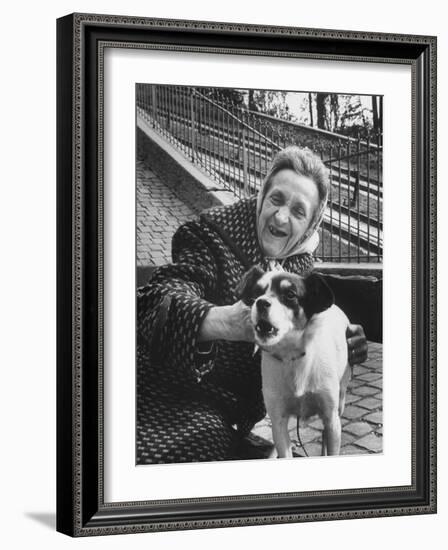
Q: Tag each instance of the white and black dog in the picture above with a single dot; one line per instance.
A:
(302, 335)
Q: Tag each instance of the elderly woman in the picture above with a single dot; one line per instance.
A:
(199, 382)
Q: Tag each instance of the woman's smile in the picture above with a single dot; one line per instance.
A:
(277, 232)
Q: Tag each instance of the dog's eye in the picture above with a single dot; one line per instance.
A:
(290, 295)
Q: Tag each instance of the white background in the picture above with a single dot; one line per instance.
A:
(27, 300)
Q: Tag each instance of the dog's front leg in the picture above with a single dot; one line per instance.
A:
(332, 434)
(281, 437)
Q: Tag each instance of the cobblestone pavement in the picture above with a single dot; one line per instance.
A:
(362, 421)
(159, 213)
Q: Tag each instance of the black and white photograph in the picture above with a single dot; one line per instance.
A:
(259, 268)
(221, 289)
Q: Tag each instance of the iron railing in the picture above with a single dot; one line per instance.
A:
(235, 147)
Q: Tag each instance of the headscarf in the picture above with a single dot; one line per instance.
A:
(304, 162)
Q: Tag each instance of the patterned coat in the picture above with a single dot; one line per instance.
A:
(195, 401)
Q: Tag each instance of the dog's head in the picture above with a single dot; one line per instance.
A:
(282, 302)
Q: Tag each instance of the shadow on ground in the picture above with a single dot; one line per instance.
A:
(47, 519)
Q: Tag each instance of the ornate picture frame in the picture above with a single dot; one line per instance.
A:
(82, 40)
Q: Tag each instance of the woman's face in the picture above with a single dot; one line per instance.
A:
(287, 211)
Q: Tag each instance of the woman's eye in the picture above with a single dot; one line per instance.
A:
(298, 213)
(276, 200)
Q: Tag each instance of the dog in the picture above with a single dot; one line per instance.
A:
(302, 335)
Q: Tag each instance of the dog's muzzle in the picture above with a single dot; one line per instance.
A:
(263, 327)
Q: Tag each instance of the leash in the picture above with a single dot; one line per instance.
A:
(299, 439)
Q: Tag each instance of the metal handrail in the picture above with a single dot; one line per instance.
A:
(237, 119)
(321, 131)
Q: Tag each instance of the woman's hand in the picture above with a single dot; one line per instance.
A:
(357, 344)
(227, 323)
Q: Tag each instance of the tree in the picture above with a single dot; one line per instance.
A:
(271, 102)
(310, 106)
(321, 109)
(353, 115)
(334, 112)
(375, 112)
(252, 103)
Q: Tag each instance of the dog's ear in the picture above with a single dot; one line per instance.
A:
(249, 280)
(318, 295)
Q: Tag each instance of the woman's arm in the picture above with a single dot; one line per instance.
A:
(227, 323)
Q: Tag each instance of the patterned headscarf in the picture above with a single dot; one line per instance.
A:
(306, 163)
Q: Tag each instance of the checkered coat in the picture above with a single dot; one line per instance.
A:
(195, 401)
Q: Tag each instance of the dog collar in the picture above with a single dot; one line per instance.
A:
(275, 356)
(295, 358)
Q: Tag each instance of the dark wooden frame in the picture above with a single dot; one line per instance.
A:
(81, 39)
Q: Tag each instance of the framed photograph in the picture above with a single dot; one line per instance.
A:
(246, 275)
